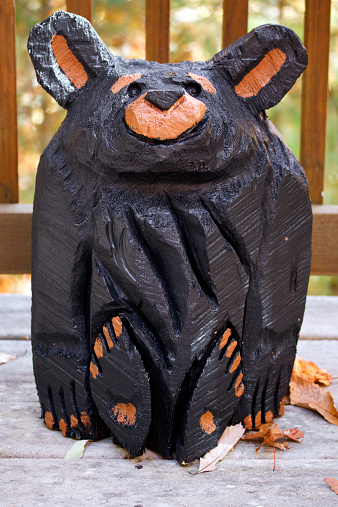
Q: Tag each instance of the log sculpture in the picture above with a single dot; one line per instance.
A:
(171, 241)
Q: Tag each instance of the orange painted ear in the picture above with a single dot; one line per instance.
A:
(68, 62)
(66, 52)
(263, 65)
(262, 74)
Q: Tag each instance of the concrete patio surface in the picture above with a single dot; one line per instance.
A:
(34, 471)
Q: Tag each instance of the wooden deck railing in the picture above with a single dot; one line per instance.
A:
(15, 219)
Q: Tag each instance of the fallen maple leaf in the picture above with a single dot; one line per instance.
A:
(333, 483)
(309, 395)
(311, 372)
(229, 438)
(294, 434)
(5, 358)
(260, 433)
(270, 435)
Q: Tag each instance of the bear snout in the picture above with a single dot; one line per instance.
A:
(147, 119)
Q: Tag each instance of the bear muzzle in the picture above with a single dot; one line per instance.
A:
(164, 115)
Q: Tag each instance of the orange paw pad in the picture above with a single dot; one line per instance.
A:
(236, 363)
(63, 426)
(268, 416)
(74, 421)
(258, 419)
(85, 419)
(98, 348)
(225, 338)
(94, 369)
(207, 422)
(239, 386)
(117, 325)
(107, 337)
(231, 348)
(248, 422)
(49, 420)
(125, 413)
(240, 390)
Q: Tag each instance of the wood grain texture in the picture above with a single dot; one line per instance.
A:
(16, 223)
(314, 95)
(235, 20)
(81, 7)
(8, 107)
(157, 30)
(15, 238)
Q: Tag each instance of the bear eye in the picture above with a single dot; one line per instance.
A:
(134, 90)
(193, 89)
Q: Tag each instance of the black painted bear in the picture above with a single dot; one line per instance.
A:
(171, 241)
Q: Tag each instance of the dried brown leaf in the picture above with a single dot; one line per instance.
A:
(279, 445)
(275, 433)
(270, 435)
(311, 372)
(229, 438)
(5, 358)
(333, 483)
(294, 434)
(260, 433)
(309, 395)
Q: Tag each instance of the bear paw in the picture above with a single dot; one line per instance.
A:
(65, 404)
(214, 397)
(120, 386)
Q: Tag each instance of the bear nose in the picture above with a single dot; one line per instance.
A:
(164, 99)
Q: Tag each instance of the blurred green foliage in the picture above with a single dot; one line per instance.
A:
(195, 35)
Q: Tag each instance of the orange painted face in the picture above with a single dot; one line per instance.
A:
(164, 114)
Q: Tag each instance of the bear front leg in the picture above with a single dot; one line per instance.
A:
(61, 281)
(275, 303)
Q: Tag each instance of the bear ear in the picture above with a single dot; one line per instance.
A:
(66, 52)
(263, 65)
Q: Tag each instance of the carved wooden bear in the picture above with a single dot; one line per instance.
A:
(171, 241)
